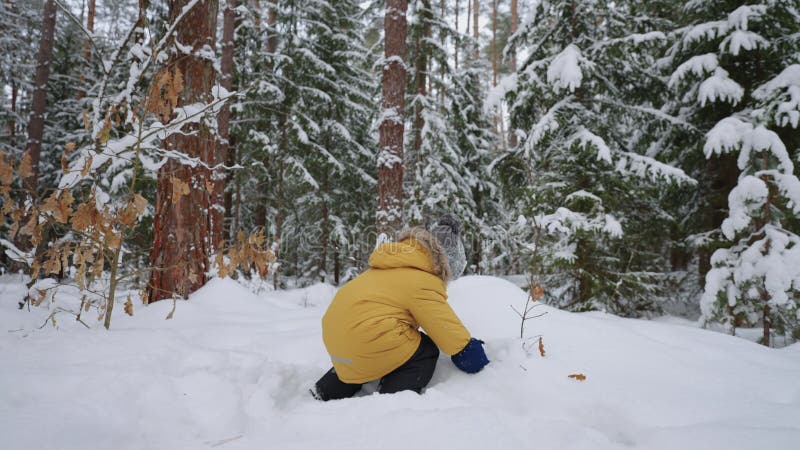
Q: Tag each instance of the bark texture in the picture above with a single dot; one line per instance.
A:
(182, 237)
(39, 101)
(390, 161)
(221, 176)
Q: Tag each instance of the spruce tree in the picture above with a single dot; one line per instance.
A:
(587, 178)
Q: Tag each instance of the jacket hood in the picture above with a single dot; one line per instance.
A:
(416, 248)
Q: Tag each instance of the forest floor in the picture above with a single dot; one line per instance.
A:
(232, 370)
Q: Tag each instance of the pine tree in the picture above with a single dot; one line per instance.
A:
(736, 71)
(307, 120)
(585, 176)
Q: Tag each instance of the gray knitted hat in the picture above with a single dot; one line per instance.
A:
(448, 232)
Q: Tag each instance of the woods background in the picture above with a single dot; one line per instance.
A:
(636, 157)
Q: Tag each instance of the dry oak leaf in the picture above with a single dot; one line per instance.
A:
(541, 347)
(87, 166)
(85, 216)
(6, 171)
(25, 167)
(179, 189)
(577, 376)
(60, 204)
(537, 291)
(140, 204)
(129, 306)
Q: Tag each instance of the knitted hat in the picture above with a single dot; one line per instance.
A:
(448, 232)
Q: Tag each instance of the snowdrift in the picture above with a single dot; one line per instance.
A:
(231, 370)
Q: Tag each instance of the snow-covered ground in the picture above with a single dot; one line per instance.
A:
(232, 370)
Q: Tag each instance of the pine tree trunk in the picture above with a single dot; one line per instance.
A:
(87, 45)
(39, 101)
(514, 27)
(323, 257)
(469, 15)
(457, 43)
(12, 124)
(220, 177)
(390, 161)
(475, 32)
(421, 71)
(181, 234)
(272, 47)
(512, 138)
(279, 213)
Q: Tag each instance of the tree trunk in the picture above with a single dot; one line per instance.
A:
(336, 266)
(514, 26)
(279, 213)
(325, 238)
(219, 206)
(12, 124)
(512, 138)
(469, 14)
(87, 46)
(390, 161)
(181, 234)
(457, 43)
(39, 102)
(421, 72)
(272, 47)
(475, 32)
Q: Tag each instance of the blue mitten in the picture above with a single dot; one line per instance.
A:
(472, 358)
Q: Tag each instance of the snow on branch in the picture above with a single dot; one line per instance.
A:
(749, 195)
(783, 92)
(697, 65)
(732, 133)
(720, 86)
(564, 71)
(585, 137)
(630, 163)
(742, 39)
(648, 168)
(566, 221)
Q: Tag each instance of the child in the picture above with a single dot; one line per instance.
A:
(371, 328)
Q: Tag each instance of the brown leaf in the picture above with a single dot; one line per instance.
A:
(26, 168)
(6, 171)
(87, 123)
(577, 376)
(35, 268)
(179, 189)
(59, 203)
(129, 306)
(85, 216)
(537, 291)
(87, 166)
(140, 204)
(541, 347)
(113, 240)
(105, 132)
(172, 313)
(128, 215)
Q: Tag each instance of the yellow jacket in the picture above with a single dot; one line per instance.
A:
(371, 327)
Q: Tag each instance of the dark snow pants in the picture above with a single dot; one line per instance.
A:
(413, 375)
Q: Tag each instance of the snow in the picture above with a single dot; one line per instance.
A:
(788, 104)
(564, 71)
(720, 86)
(697, 65)
(749, 195)
(742, 39)
(584, 137)
(232, 370)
